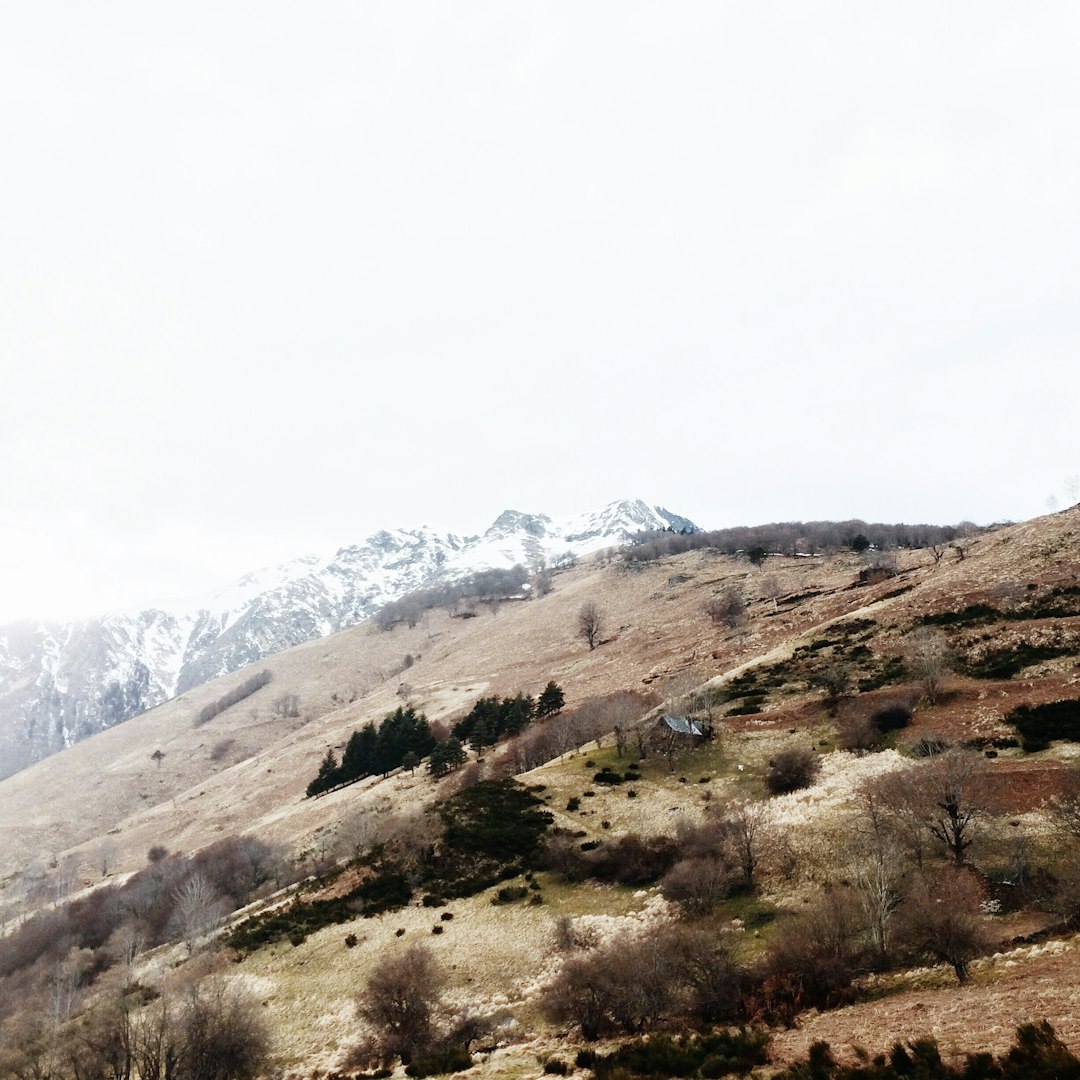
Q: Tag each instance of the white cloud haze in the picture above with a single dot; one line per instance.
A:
(273, 276)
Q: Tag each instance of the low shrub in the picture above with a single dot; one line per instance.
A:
(1039, 725)
(606, 776)
(930, 746)
(791, 770)
(440, 1062)
(891, 716)
(721, 1054)
(509, 894)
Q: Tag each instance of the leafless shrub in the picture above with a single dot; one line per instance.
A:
(727, 607)
(623, 985)
(210, 1033)
(411, 838)
(697, 885)
(401, 1003)
(633, 981)
(221, 749)
(940, 919)
(633, 859)
(236, 694)
(792, 769)
(858, 732)
(929, 659)
(813, 960)
(287, 706)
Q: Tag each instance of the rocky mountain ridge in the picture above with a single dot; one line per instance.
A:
(62, 682)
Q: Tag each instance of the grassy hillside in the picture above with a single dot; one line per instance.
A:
(974, 649)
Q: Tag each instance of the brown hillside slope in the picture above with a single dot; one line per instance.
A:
(498, 957)
(246, 769)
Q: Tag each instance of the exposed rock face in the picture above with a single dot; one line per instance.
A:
(61, 682)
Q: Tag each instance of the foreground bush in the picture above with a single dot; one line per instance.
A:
(1038, 1054)
(721, 1054)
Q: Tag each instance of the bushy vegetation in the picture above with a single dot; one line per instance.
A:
(722, 1053)
(235, 695)
(1007, 662)
(175, 898)
(486, 834)
(483, 586)
(1039, 725)
(1060, 602)
(792, 769)
(1037, 1054)
(794, 538)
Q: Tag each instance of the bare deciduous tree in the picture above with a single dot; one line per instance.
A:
(106, 854)
(590, 623)
(65, 982)
(772, 589)
(287, 706)
(401, 1002)
(749, 837)
(1064, 808)
(728, 606)
(929, 659)
(198, 909)
(953, 784)
(940, 918)
(941, 799)
(360, 830)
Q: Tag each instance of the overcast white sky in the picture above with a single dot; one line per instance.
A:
(275, 275)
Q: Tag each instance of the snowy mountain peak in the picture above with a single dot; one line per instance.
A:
(621, 520)
(65, 681)
(513, 521)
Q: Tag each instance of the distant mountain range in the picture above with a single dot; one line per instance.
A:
(63, 681)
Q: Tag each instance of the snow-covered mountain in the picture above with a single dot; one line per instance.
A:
(61, 682)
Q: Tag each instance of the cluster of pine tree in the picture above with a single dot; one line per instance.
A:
(403, 738)
(493, 717)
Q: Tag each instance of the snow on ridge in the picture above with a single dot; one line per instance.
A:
(102, 671)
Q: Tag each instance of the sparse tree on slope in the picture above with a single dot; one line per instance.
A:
(590, 623)
(401, 1002)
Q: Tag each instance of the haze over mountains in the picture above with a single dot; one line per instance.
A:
(61, 682)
